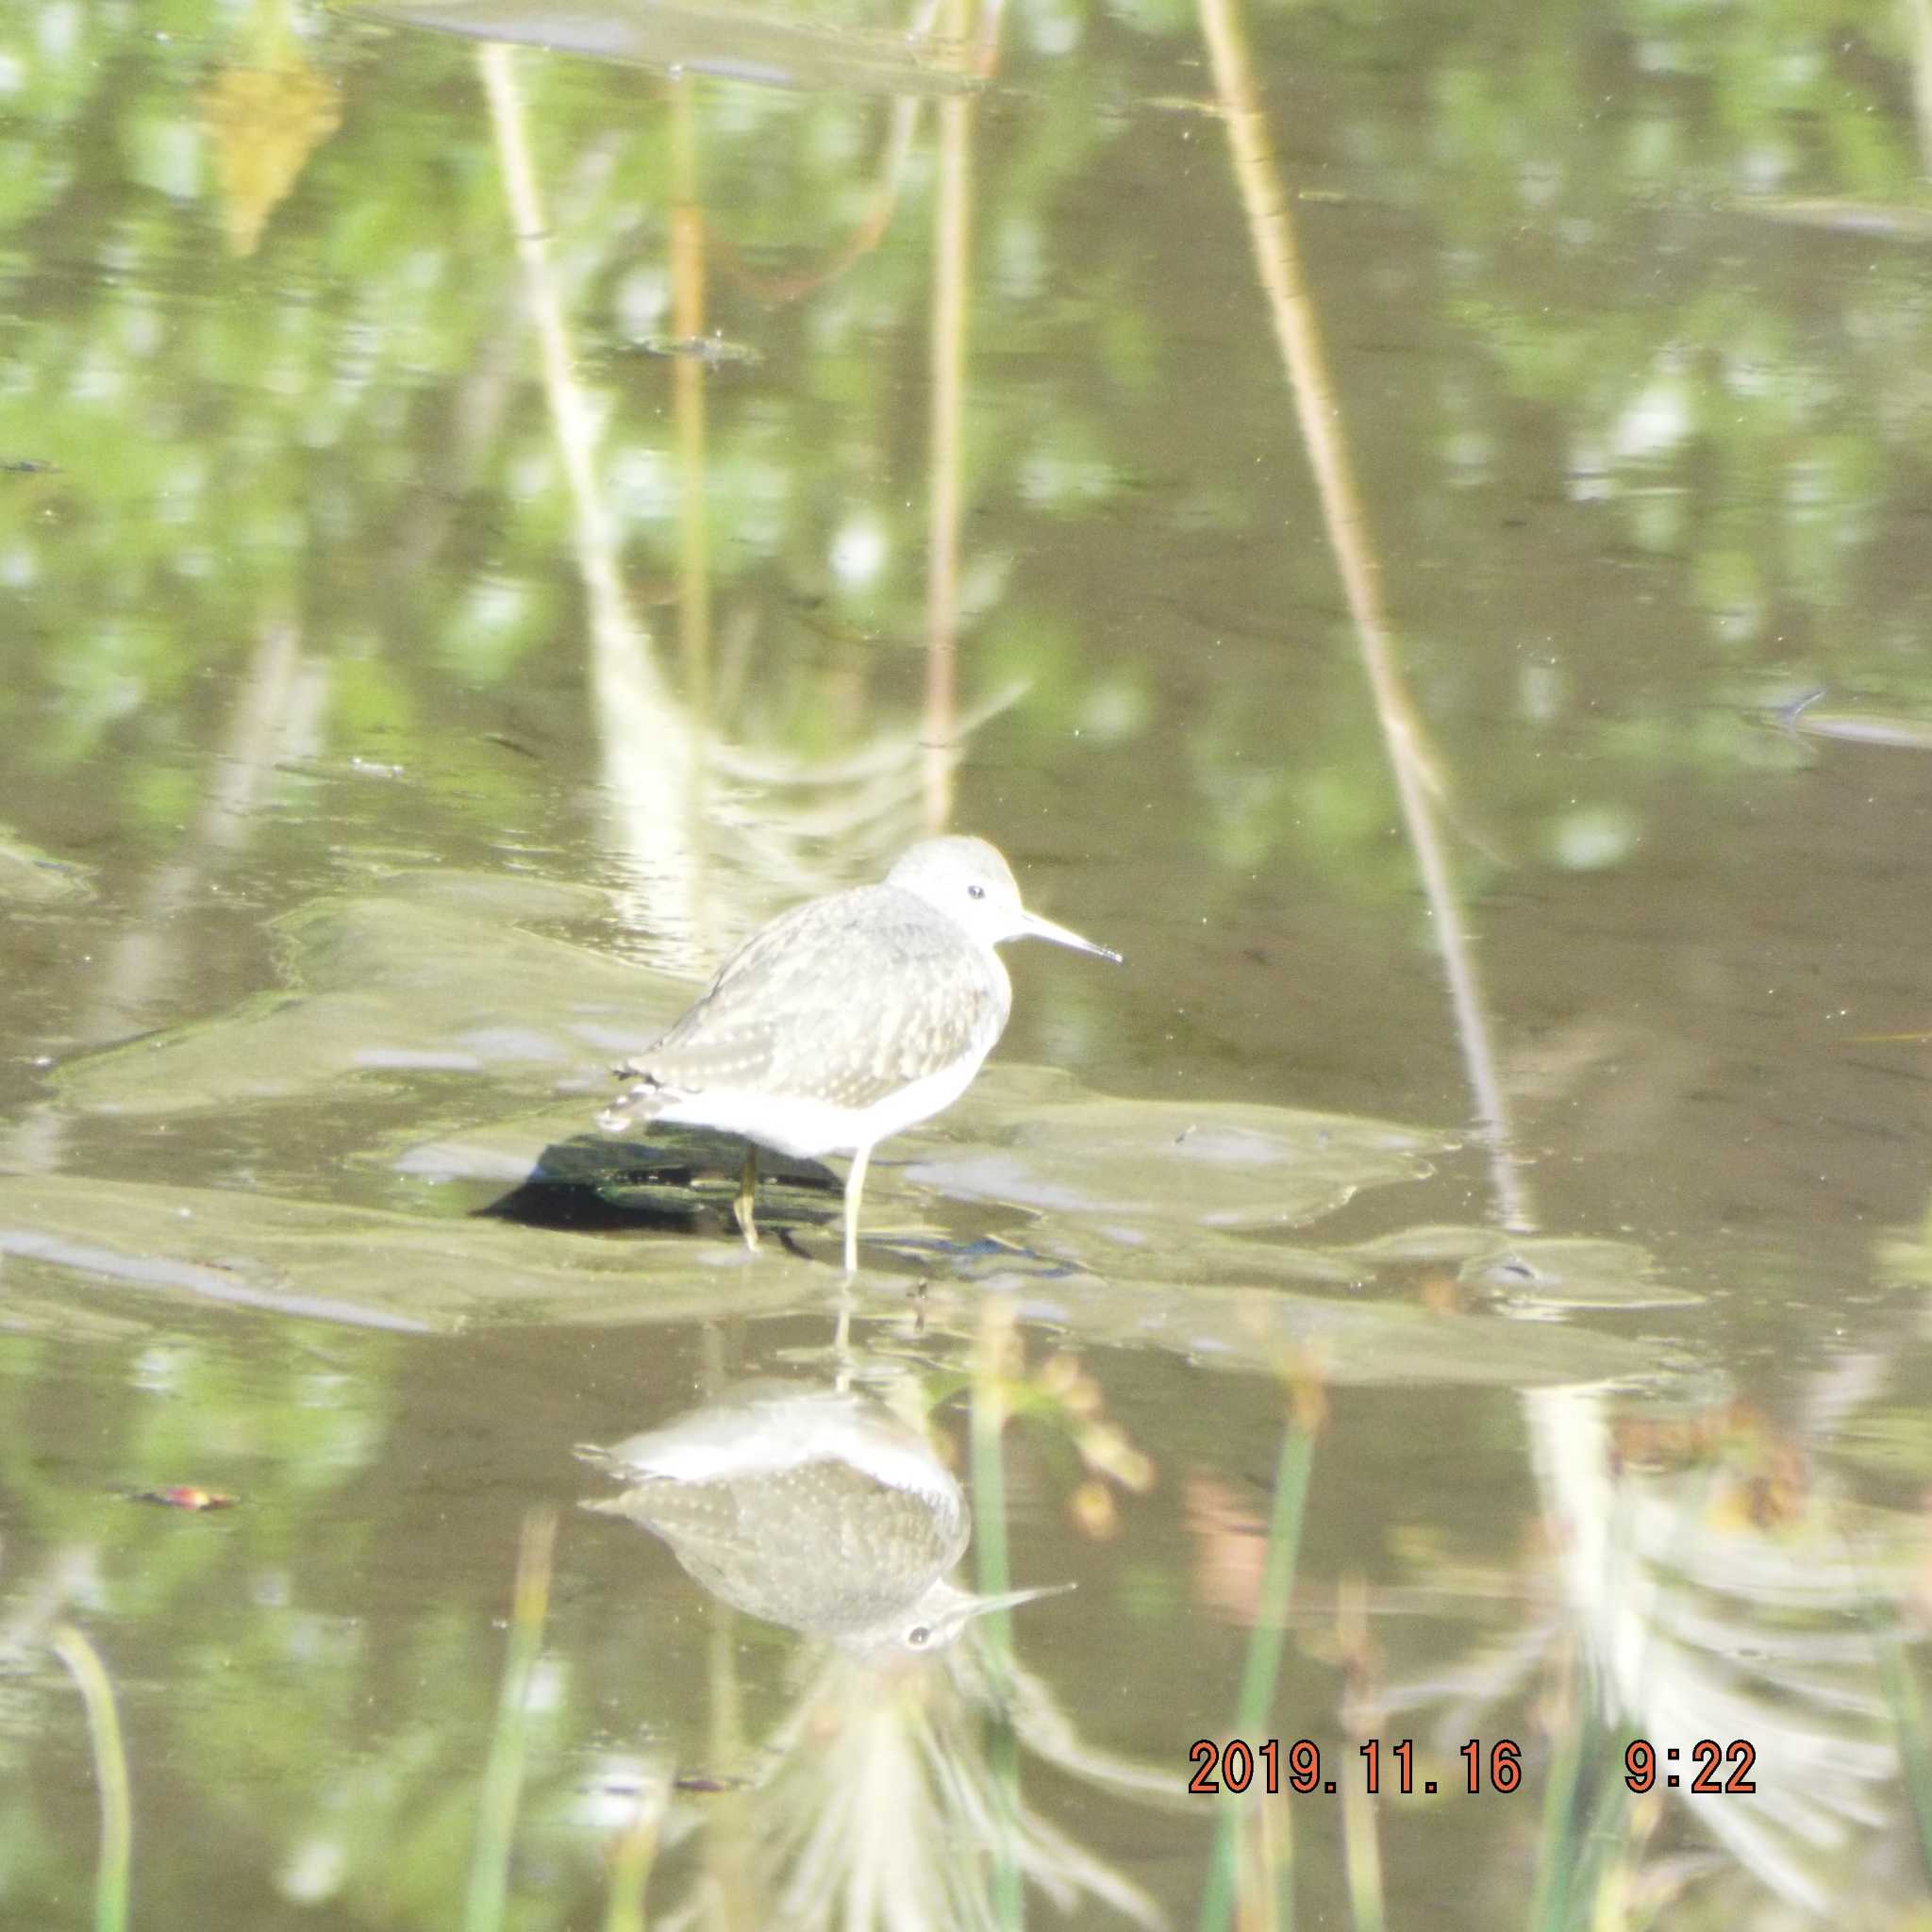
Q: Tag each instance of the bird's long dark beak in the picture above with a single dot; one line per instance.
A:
(1035, 927)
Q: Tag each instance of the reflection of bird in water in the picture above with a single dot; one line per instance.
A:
(811, 1508)
(848, 1018)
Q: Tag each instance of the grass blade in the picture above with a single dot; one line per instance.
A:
(502, 1776)
(83, 1661)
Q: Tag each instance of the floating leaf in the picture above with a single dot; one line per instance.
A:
(1087, 1181)
(1531, 1272)
(370, 1268)
(1137, 1171)
(1339, 1340)
(430, 974)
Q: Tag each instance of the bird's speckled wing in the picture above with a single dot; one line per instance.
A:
(844, 999)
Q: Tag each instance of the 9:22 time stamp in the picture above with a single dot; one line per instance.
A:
(1639, 1767)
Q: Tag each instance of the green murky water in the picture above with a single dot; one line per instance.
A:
(1410, 526)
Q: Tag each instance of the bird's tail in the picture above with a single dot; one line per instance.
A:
(607, 1506)
(612, 1464)
(636, 1104)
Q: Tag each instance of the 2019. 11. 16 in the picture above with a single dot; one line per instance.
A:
(1233, 1766)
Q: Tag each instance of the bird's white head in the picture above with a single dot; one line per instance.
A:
(973, 885)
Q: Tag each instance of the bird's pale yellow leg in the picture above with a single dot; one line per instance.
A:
(854, 1186)
(747, 1193)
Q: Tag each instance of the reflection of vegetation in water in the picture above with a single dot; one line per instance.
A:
(884, 1798)
(347, 436)
(322, 1859)
(870, 1799)
(1707, 1585)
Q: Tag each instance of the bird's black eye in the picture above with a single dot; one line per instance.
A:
(975, 891)
(919, 1636)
